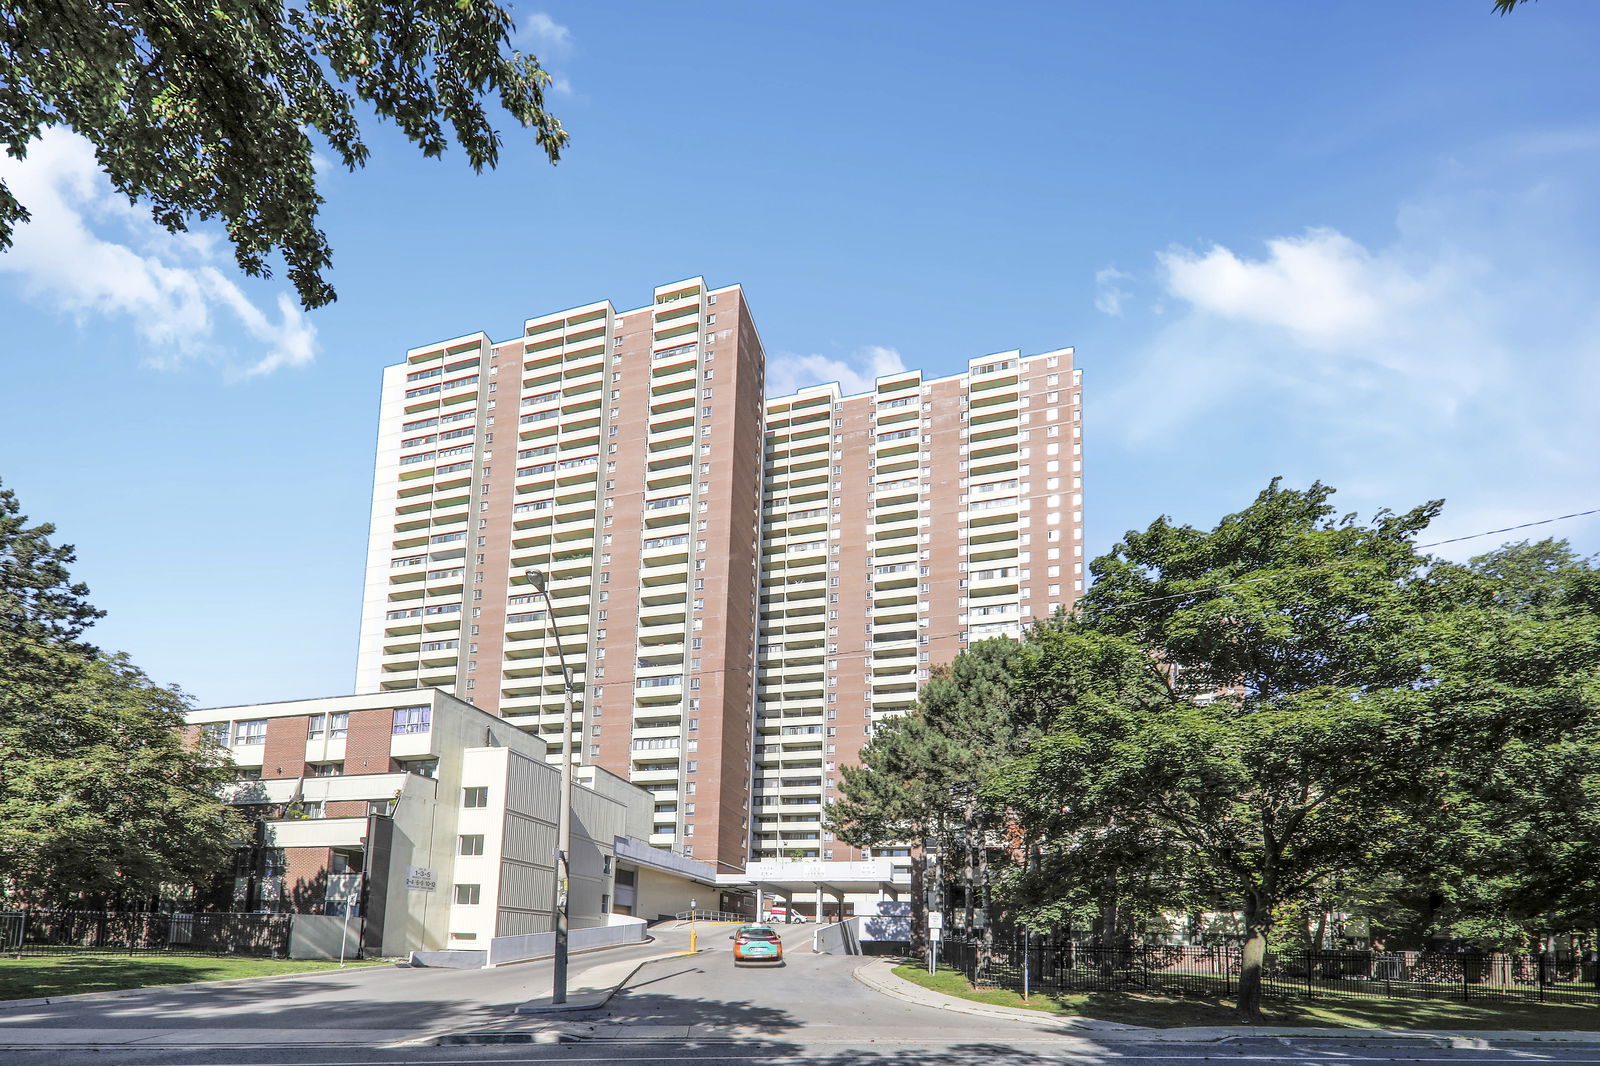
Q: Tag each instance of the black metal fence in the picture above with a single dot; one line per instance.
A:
(1042, 965)
(68, 932)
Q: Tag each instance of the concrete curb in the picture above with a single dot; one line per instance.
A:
(1286, 1034)
(905, 990)
(188, 986)
(1118, 1032)
(32, 1039)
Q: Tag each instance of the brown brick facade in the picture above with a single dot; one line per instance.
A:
(367, 745)
(305, 878)
(285, 752)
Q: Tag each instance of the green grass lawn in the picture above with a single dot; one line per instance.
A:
(65, 975)
(1164, 1012)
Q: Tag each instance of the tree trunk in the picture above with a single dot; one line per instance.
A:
(1108, 912)
(968, 873)
(919, 899)
(986, 934)
(1257, 924)
(1108, 926)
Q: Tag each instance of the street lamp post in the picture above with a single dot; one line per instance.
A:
(564, 813)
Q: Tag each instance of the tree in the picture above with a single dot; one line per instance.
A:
(125, 807)
(204, 110)
(1516, 719)
(1303, 765)
(922, 776)
(43, 614)
(898, 795)
(1079, 687)
(101, 794)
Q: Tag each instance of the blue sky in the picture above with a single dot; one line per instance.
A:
(1349, 241)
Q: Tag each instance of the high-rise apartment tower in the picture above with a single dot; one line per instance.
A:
(741, 585)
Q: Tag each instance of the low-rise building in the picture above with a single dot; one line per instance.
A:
(431, 821)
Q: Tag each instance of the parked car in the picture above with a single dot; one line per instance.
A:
(757, 944)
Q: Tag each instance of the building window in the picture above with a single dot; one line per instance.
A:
(472, 844)
(412, 719)
(311, 808)
(327, 769)
(382, 808)
(339, 725)
(316, 726)
(420, 767)
(250, 732)
(468, 895)
(477, 796)
(216, 732)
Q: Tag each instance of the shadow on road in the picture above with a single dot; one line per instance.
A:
(307, 1004)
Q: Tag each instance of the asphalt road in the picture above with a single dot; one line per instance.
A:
(808, 1012)
(376, 998)
(998, 1050)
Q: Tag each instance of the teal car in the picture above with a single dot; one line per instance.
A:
(757, 944)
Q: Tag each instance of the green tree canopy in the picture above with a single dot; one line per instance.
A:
(1344, 710)
(116, 802)
(1288, 714)
(206, 110)
(101, 793)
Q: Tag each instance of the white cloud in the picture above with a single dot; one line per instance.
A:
(542, 35)
(88, 252)
(539, 28)
(1323, 319)
(856, 373)
(1322, 287)
(1459, 358)
(1109, 297)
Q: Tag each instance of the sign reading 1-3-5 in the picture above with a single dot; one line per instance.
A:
(421, 879)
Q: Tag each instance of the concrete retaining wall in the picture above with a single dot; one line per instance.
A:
(620, 929)
(451, 960)
(320, 936)
(841, 938)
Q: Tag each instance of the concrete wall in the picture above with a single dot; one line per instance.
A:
(504, 950)
(662, 893)
(324, 936)
(619, 931)
(840, 938)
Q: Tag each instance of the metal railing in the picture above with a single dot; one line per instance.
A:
(35, 931)
(712, 916)
(1044, 965)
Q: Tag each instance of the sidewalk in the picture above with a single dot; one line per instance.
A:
(473, 1007)
(878, 977)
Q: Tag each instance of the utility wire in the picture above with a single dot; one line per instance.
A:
(1344, 562)
(1134, 603)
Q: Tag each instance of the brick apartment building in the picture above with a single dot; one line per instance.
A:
(743, 585)
(430, 819)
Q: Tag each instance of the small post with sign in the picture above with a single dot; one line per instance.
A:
(935, 930)
(693, 903)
